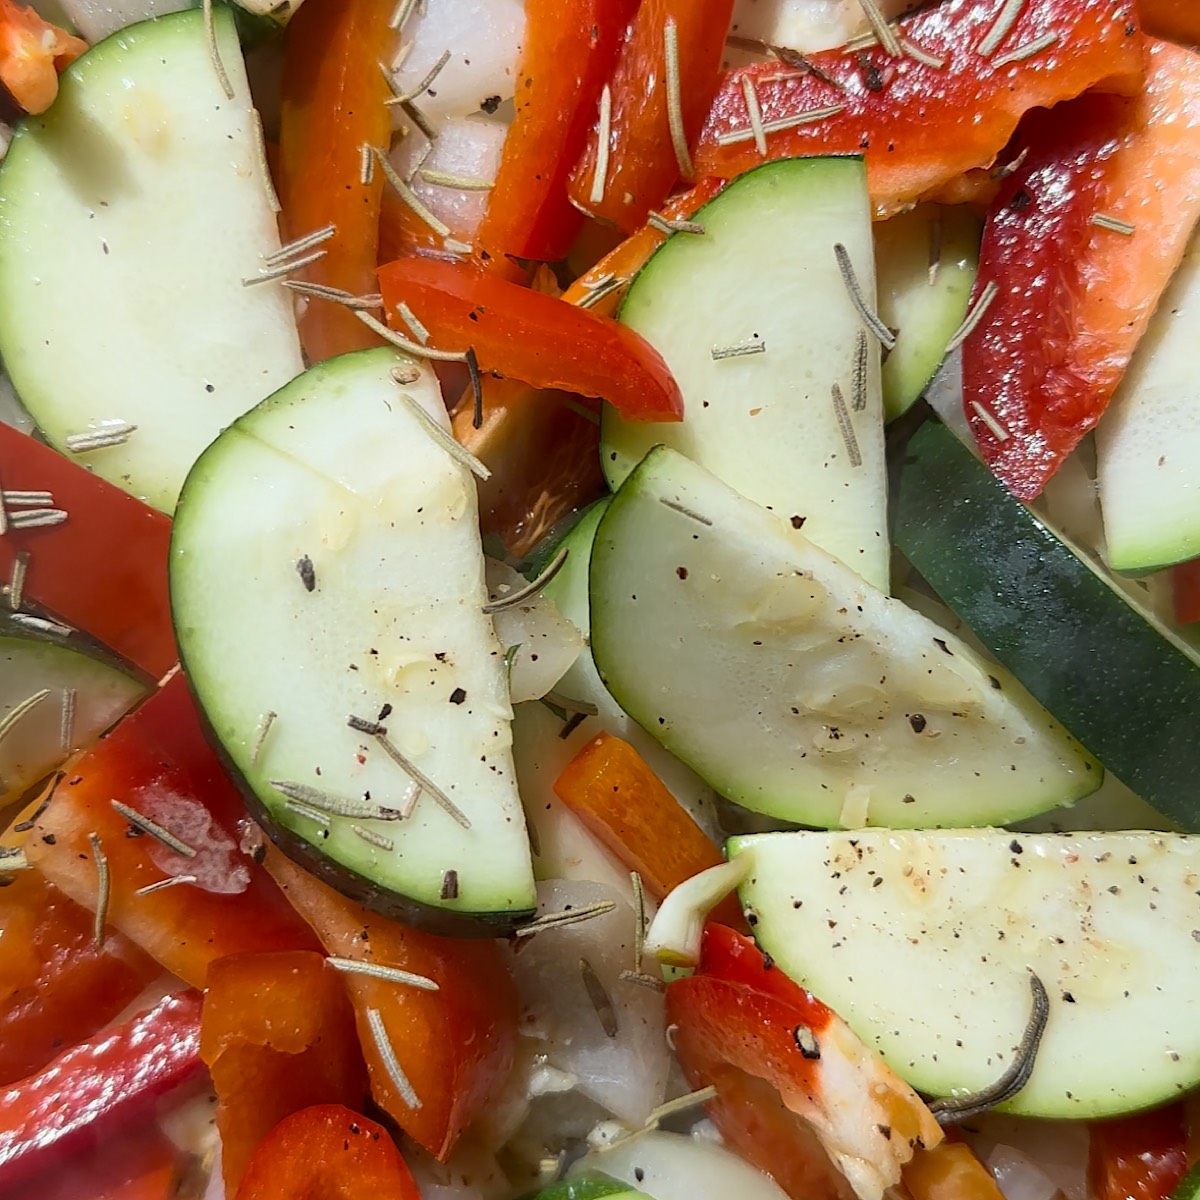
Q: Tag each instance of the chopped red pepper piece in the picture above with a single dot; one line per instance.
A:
(110, 1083)
(949, 1172)
(141, 1164)
(277, 1035)
(455, 1045)
(530, 336)
(32, 52)
(56, 985)
(1141, 1157)
(613, 791)
(1178, 20)
(158, 762)
(104, 569)
(919, 125)
(327, 1153)
(642, 165)
(1074, 296)
(333, 105)
(567, 56)
(765, 1044)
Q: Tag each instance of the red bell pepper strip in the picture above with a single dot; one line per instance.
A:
(110, 1083)
(1178, 20)
(642, 165)
(141, 1164)
(158, 762)
(277, 1035)
(455, 1045)
(530, 336)
(918, 125)
(567, 56)
(104, 569)
(328, 1153)
(765, 1044)
(57, 986)
(333, 105)
(614, 792)
(1074, 297)
(1140, 1157)
(32, 53)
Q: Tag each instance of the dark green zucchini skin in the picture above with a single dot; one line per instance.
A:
(1188, 1187)
(1117, 680)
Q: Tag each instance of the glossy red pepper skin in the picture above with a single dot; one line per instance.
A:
(160, 754)
(735, 1022)
(527, 335)
(642, 166)
(332, 105)
(328, 1153)
(920, 126)
(1178, 20)
(57, 986)
(1074, 298)
(110, 1083)
(1140, 1157)
(104, 569)
(567, 56)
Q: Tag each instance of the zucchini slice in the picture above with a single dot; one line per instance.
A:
(925, 266)
(923, 943)
(54, 699)
(326, 564)
(795, 688)
(1148, 444)
(1125, 686)
(130, 214)
(764, 276)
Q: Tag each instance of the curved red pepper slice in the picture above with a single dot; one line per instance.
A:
(533, 337)
(1178, 20)
(111, 1082)
(567, 56)
(1073, 298)
(920, 125)
(104, 569)
(327, 1153)
(642, 166)
(1140, 1157)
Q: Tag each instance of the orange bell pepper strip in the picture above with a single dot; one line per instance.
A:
(333, 105)
(32, 53)
(1140, 1157)
(919, 125)
(454, 1045)
(527, 335)
(158, 762)
(277, 1034)
(641, 166)
(104, 569)
(613, 791)
(567, 56)
(777, 1056)
(1073, 297)
(57, 986)
(327, 1153)
(950, 1171)
(1178, 20)
(109, 1085)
